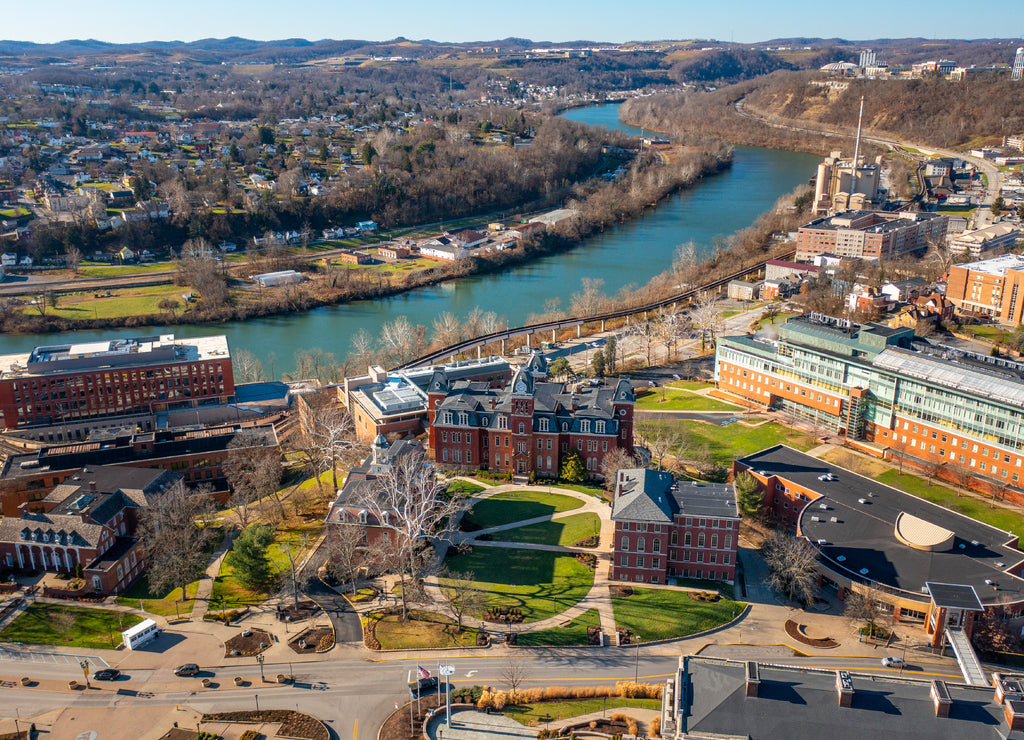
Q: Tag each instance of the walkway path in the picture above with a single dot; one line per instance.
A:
(205, 588)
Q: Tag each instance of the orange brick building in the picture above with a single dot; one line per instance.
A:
(992, 287)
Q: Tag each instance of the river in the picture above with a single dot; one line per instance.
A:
(629, 253)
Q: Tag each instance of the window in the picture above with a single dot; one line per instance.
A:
(728, 541)
(714, 541)
(522, 428)
(585, 426)
(625, 544)
(565, 426)
(639, 561)
(502, 422)
(686, 539)
(600, 427)
(640, 544)
(657, 545)
(675, 538)
(542, 425)
(700, 539)
(446, 418)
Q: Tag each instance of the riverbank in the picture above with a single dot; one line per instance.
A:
(651, 180)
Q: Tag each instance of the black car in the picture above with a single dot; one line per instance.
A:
(189, 669)
(423, 687)
(107, 674)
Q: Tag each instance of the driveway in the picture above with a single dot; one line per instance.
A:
(347, 627)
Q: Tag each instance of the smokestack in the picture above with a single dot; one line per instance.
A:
(856, 146)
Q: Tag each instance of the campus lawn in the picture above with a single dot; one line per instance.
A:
(567, 531)
(228, 593)
(734, 440)
(421, 630)
(540, 584)
(514, 506)
(673, 399)
(660, 614)
(554, 711)
(155, 603)
(123, 302)
(464, 488)
(1007, 520)
(94, 629)
(595, 491)
(690, 385)
(574, 633)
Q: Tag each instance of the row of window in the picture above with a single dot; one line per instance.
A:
(641, 543)
(599, 426)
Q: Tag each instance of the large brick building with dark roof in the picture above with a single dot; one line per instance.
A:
(667, 529)
(89, 521)
(529, 426)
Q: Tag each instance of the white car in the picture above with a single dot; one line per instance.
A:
(893, 662)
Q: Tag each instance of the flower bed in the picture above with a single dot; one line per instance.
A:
(247, 644)
(293, 724)
(317, 639)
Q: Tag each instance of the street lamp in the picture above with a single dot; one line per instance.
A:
(636, 664)
(85, 670)
(260, 659)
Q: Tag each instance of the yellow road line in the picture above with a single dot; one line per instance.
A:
(355, 730)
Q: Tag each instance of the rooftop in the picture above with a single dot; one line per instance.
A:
(853, 526)
(996, 265)
(878, 222)
(794, 703)
(127, 352)
(655, 496)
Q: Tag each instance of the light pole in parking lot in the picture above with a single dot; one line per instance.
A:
(259, 659)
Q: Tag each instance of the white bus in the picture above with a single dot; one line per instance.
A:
(140, 634)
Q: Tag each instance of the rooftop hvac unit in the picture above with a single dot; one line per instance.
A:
(841, 558)
(822, 542)
(823, 507)
(815, 519)
(862, 501)
(863, 571)
(999, 565)
(974, 542)
(834, 520)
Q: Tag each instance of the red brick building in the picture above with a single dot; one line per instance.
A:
(198, 454)
(529, 426)
(666, 529)
(88, 522)
(72, 383)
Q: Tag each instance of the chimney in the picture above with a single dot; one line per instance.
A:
(940, 695)
(92, 485)
(1008, 688)
(1014, 712)
(844, 687)
(753, 678)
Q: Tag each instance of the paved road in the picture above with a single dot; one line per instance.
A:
(347, 627)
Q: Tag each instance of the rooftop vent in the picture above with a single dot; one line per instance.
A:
(815, 518)
(822, 542)
(753, 678)
(834, 519)
(999, 564)
(862, 501)
(863, 571)
(823, 507)
(974, 542)
(943, 701)
(841, 558)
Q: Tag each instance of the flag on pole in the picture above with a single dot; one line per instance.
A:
(424, 673)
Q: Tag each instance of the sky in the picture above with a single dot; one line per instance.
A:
(461, 20)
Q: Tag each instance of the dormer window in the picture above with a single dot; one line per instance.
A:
(463, 418)
(542, 425)
(362, 516)
(585, 426)
(46, 536)
(446, 418)
(502, 422)
(599, 427)
(24, 534)
(565, 426)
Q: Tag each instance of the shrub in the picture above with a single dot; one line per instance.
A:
(654, 728)
(619, 717)
(249, 735)
(632, 727)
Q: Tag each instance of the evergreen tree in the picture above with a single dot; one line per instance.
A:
(598, 364)
(573, 470)
(748, 495)
(248, 556)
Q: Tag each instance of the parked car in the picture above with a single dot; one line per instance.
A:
(189, 669)
(422, 687)
(892, 661)
(106, 674)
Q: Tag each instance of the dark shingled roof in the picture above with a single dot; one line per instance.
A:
(654, 496)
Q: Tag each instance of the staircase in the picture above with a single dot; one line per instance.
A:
(967, 659)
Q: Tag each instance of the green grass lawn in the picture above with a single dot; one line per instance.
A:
(574, 633)
(15, 212)
(513, 506)
(657, 614)
(735, 440)
(464, 487)
(554, 711)
(155, 603)
(595, 491)
(101, 271)
(229, 594)
(123, 302)
(94, 629)
(541, 584)
(567, 531)
(690, 385)
(421, 630)
(1004, 519)
(673, 399)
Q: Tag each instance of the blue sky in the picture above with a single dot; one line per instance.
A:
(462, 20)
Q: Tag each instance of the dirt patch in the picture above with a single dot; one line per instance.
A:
(708, 597)
(293, 724)
(621, 591)
(293, 613)
(396, 727)
(593, 635)
(318, 639)
(247, 643)
(798, 633)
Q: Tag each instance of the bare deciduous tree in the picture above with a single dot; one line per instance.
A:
(329, 435)
(447, 329)
(463, 595)
(176, 540)
(791, 566)
(253, 474)
(247, 368)
(588, 301)
(660, 441)
(346, 552)
(407, 503)
(514, 673)
(707, 318)
(616, 460)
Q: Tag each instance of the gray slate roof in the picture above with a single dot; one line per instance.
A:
(648, 495)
